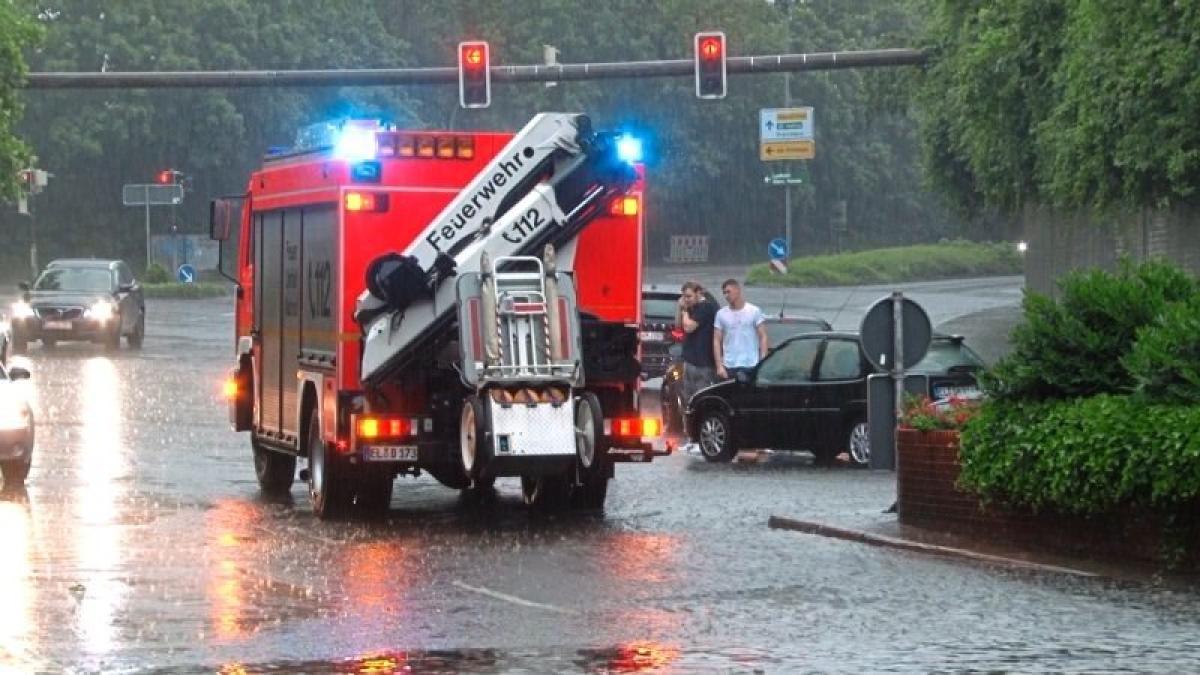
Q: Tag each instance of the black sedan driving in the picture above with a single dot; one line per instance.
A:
(80, 300)
(810, 393)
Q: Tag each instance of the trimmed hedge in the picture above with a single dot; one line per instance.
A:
(1165, 361)
(185, 291)
(1088, 455)
(1077, 345)
(890, 265)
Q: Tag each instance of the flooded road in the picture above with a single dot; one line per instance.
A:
(141, 544)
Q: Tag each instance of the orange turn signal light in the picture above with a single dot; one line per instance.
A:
(625, 206)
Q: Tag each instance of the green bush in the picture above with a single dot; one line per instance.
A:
(890, 265)
(1076, 346)
(1165, 361)
(1087, 456)
(156, 274)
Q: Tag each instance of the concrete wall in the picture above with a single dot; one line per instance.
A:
(1059, 243)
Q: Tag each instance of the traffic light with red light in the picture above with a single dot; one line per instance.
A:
(710, 64)
(165, 177)
(474, 75)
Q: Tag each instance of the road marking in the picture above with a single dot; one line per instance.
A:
(511, 598)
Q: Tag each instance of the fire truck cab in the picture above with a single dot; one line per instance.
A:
(460, 303)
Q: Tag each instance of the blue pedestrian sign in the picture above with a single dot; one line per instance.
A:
(778, 249)
(186, 274)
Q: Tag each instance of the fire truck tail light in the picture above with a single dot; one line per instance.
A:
(366, 202)
(625, 206)
(465, 147)
(372, 428)
(633, 427)
(406, 146)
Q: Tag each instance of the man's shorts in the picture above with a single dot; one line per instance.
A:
(696, 378)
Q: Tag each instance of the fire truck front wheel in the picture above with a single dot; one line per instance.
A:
(275, 470)
(328, 487)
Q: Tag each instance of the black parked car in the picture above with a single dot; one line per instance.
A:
(810, 393)
(779, 329)
(82, 300)
(658, 331)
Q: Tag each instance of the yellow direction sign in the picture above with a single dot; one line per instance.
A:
(783, 150)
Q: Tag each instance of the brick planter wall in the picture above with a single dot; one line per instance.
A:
(928, 496)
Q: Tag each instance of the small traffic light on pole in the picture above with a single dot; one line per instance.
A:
(474, 75)
(170, 177)
(709, 57)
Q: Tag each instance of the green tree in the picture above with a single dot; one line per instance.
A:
(1070, 103)
(17, 33)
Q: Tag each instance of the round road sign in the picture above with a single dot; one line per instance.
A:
(879, 334)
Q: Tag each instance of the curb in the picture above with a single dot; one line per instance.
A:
(823, 530)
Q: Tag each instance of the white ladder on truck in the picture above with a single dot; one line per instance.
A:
(585, 175)
(522, 319)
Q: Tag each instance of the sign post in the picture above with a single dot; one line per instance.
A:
(786, 134)
(151, 194)
(896, 333)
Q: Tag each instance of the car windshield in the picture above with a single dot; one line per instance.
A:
(778, 331)
(88, 279)
(659, 307)
(946, 354)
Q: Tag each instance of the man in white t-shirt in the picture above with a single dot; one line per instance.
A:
(739, 333)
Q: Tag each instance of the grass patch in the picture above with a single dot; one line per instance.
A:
(175, 290)
(924, 262)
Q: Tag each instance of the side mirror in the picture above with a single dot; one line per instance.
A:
(220, 219)
(675, 351)
(127, 288)
(24, 286)
(18, 373)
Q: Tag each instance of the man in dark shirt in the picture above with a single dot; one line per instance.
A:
(696, 315)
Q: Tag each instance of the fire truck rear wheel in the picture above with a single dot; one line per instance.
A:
(589, 432)
(275, 471)
(473, 448)
(328, 487)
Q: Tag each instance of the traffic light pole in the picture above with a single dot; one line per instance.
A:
(735, 65)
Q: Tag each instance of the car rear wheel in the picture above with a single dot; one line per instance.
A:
(859, 443)
(15, 471)
(716, 437)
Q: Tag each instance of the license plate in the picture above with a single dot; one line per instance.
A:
(57, 325)
(391, 453)
(947, 392)
(650, 336)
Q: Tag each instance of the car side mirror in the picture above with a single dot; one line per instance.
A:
(24, 286)
(127, 288)
(18, 373)
(675, 351)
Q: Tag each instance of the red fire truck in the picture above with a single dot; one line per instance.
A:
(460, 303)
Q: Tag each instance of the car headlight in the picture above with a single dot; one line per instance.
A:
(13, 418)
(102, 310)
(22, 310)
